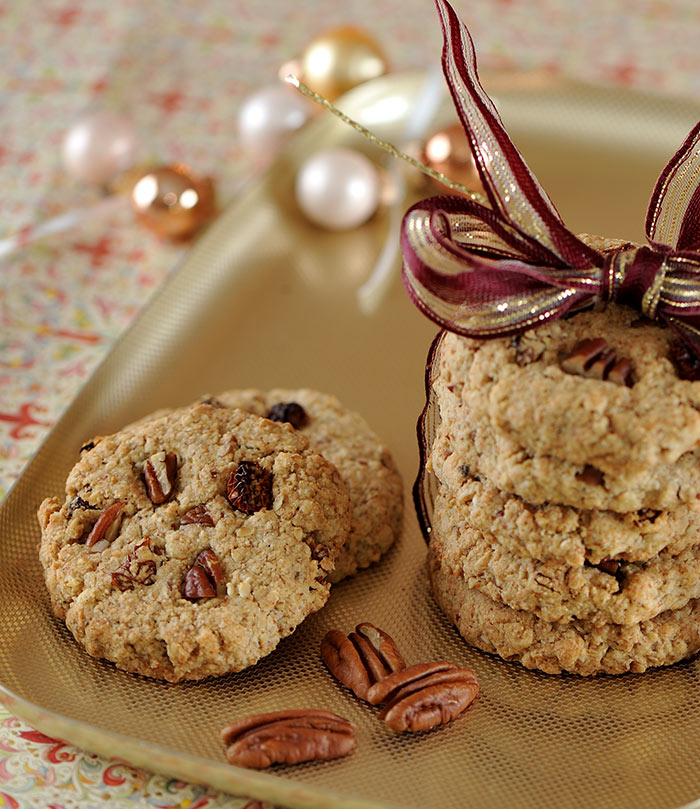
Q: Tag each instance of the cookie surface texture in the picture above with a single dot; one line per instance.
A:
(189, 545)
(511, 412)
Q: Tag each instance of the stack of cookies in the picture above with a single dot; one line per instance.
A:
(189, 543)
(566, 525)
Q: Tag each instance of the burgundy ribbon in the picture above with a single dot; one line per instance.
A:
(492, 271)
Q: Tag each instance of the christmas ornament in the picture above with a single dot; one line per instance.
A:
(173, 203)
(339, 60)
(267, 118)
(99, 146)
(338, 188)
(448, 152)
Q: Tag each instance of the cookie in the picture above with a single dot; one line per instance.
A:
(563, 534)
(613, 593)
(578, 647)
(188, 546)
(363, 460)
(514, 414)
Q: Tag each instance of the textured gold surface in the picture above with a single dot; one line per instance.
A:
(267, 299)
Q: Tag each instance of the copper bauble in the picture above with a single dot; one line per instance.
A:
(173, 203)
(448, 152)
(340, 59)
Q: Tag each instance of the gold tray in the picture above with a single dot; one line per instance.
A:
(265, 299)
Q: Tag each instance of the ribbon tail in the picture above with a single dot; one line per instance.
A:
(677, 189)
(512, 189)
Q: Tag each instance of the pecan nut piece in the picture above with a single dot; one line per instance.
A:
(687, 365)
(106, 529)
(160, 476)
(205, 577)
(594, 359)
(134, 570)
(362, 658)
(287, 737)
(197, 515)
(431, 700)
(249, 487)
(290, 412)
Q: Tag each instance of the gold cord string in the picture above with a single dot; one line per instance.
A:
(383, 144)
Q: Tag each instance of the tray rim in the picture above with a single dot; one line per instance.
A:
(266, 786)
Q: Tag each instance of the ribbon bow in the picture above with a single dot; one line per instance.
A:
(490, 272)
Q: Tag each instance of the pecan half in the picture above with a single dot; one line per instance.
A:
(287, 737)
(106, 529)
(385, 689)
(290, 412)
(430, 700)
(160, 476)
(687, 365)
(196, 515)
(249, 487)
(362, 658)
(205, 577)
(593, 358)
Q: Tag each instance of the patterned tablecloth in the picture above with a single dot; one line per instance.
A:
(180, 71)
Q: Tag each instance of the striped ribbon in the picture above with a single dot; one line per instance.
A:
(492, 271)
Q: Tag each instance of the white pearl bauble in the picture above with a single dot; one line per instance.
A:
(266, 119)
(99, 146)
(338, 188)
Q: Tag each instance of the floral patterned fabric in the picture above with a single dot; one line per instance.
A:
(180, 71)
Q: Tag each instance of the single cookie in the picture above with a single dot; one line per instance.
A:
(364, 462)
(521, 413)
(578, 647)
(616, 592)
(563, 534)
(189, 545)
(460, 448)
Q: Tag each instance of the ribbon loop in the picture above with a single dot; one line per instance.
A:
(489, 272)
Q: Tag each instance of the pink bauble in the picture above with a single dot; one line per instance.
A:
(267, 118)
(338, 188)
(99, 146)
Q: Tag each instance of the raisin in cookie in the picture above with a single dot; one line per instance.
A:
(614, 592)
(364, 462)
(589, 411)
(563, 534)
(578, 647)
(187, 546)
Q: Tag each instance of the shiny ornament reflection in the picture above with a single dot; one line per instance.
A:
(267, 118)
(99, 146)
(448, 152)
(339, 60)
(338, 188)
(172, 203)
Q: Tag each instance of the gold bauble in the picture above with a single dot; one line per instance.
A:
(448, 152)
(172, 203)
(340, 59)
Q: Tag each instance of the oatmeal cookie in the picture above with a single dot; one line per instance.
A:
(189, 545)
(578, 647)
(363, 460)
(614, 592)
(563, 534)
(521, 415)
